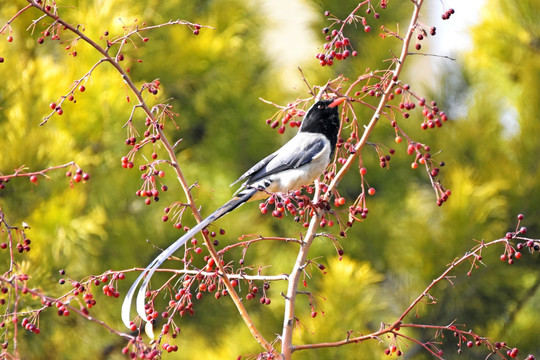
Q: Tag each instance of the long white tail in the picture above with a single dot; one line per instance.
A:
(232, 204)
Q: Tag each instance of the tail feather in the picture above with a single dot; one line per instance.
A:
(146, 275)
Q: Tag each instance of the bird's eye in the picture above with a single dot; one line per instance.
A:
(320, 107)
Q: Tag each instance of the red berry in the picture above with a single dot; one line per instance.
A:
(367, 28)
(82, 88)
(513, 353)
(9, 38)
(34, 179)
(371, 191)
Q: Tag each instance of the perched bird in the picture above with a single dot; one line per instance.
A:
(299, 162)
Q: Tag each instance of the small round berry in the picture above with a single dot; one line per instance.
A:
(371, 191)
(34, 179)
(367, 28)
(82, 88)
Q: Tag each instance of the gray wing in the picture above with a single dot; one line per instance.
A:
(300, 150)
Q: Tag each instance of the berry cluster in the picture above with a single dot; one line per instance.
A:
(30, 326)
(152, 87)
(337, 47)
(299, 206)
(433, 116)
(393, 349)
(446, 15)
(286, 115)
(76, 177)
(423, 157)
(512, 253)
(422, 34)
(149, 190)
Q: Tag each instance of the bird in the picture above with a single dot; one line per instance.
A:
(297, 163)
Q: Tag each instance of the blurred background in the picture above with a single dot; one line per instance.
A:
(214, 80)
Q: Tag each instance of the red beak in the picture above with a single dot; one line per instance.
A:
(337, 101)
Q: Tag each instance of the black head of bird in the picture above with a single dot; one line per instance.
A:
(323, 118)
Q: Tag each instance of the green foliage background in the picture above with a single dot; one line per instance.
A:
(214, 81)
